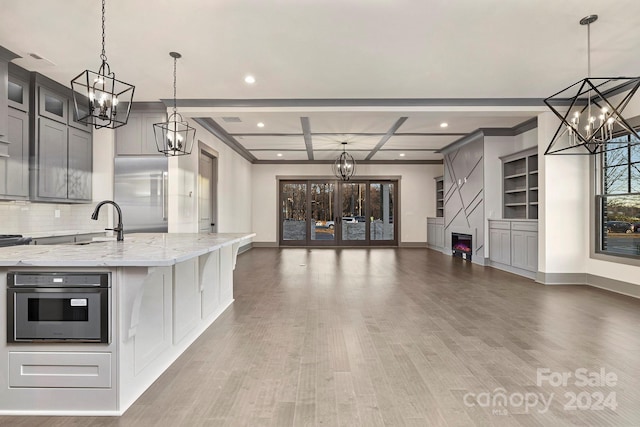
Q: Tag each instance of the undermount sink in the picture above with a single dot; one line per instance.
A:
(91, 242)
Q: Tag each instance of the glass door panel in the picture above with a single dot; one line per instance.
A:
(336, 213)
(322, 224)
(353, 222)
(382, 202)
(293, 212)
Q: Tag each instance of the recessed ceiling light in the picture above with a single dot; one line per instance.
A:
(444, 124)
(279, 154)
(402, 154)
(260, 125)
(250, 79)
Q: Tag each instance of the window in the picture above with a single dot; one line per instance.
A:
(619, 201)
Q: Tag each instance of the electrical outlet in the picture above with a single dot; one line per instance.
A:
(56, 213)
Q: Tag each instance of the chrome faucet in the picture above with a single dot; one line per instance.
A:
(118, 229)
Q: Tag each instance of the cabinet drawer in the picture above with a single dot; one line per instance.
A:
(60, 369)
(502, 225)
(524, 226)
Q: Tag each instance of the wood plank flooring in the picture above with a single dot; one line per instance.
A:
(392, 337)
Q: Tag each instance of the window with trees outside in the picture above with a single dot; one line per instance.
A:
(619, 199)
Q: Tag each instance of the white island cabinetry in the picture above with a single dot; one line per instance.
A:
(166, 290)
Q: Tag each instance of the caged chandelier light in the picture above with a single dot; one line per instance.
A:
(99, 99)
(345, 166)
(174, 137)
(591, 110)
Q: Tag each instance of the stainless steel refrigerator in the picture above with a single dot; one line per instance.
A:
(140, 188)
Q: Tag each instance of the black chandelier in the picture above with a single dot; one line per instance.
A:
(99, 99)
(345, 166)
(591, 110)
(174, 137)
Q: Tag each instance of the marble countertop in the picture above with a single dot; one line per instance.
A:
(144, 249)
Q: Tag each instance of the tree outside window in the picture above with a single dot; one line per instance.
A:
(620, 199)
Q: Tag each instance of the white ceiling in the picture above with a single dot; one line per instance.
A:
(340, 50)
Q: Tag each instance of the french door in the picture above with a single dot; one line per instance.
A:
(337, 213)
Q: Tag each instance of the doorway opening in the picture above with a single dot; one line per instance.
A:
(337, 213)
(207, 189)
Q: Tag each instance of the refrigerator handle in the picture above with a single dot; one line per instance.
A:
(165, 195)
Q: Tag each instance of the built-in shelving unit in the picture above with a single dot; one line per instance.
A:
(520, 185)
(439, 197)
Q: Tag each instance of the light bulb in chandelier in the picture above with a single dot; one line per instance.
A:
(599, 130)
(174, 140)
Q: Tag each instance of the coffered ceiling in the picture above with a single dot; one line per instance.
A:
(403, 136)
(381, 75)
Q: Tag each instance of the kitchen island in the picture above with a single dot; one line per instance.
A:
(166, 290)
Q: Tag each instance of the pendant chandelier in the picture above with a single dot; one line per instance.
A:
(345, 166)
(174, 137)
(99, 99)
(591, 110)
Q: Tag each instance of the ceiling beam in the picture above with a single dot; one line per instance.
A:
(214, 128)
(363, 102)
(360, 162)
(386, 137)
(306, 129)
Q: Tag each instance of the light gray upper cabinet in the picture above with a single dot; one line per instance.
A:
(53, 105)
(5, 57)
(137, 136)
(14, 144)
(14, 169)
(61, 149)
(64, 163)
(51, 153)
(80, 165)
(18, 94)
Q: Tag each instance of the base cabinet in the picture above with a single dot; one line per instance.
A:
(500, 242)
(186, 298)
(209, 283)
(524, 249)
(155, 313)
(435, 233)
(513, 246)
(151, 318)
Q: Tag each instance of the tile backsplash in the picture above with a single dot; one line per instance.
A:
(26, 217)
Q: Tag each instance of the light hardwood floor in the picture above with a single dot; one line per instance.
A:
(381, 337)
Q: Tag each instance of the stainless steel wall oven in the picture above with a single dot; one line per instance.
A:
(58, 307)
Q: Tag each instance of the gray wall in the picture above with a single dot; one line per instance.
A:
(464, 195)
